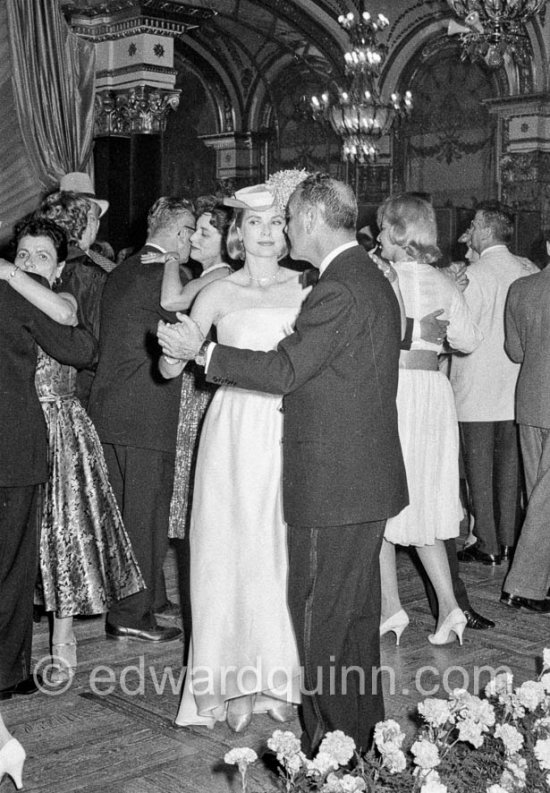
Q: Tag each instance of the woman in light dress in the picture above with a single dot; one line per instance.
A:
(86, 559)
(243, 656)
(428, 427)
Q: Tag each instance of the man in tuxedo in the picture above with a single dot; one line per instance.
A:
(23, 466)
(135, 411)
(527, 323)
(343, 472)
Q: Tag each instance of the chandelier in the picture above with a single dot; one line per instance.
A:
(493, 28)
(357, 113)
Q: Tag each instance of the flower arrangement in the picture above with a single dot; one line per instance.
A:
(498, 744)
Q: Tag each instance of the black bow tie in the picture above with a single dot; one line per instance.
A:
(309, 277)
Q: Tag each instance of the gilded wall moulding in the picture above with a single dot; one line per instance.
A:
(133, 111)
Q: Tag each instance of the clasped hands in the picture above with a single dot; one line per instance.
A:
(182, 339)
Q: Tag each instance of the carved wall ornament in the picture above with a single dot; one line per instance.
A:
(141, 110)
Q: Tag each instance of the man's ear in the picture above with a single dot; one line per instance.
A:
(310, 218)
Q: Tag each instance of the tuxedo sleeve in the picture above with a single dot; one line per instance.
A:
(513, 344)
(323, 330)
(74, 346)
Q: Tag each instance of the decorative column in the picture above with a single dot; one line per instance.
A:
(523, 155)
(135, 79)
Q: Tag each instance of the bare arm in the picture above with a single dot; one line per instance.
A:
(60, 307)
(204, 314)
(176, 296)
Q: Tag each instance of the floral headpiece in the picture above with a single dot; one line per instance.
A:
(283, 183)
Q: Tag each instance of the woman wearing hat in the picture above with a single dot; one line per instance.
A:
(243, 655)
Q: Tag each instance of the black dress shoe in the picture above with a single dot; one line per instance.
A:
(506, 553)
(473, 554)
(517, 602)
(168, 609)
(30, 685)
(477, 621)
(156, 634)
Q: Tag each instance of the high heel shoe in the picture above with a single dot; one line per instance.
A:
(239, 712)
(396, 623)
(281, 712)
(12, 757)
(455, 622)
(63, 662)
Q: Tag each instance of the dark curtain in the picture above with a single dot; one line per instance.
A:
(53, 86)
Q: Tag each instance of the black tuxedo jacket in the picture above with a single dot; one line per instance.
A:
(342, 460)
(23, 440)
(131, 404)
(85, 281)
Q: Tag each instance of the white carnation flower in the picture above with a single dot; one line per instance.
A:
(531, 694)
(510, 736)
(241, 756)
(426, 754)
(542, 753)
(436, 712)
(321, 764)
(388, 732)
(499, 685)
(338, 746)
(393, 759)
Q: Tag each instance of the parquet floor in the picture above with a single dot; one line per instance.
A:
(112, 732)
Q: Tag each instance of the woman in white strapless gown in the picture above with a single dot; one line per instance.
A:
(242, 655)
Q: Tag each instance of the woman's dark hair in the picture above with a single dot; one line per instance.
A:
(42, 227)
(221, 217)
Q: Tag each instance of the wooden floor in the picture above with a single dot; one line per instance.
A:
(112, 731)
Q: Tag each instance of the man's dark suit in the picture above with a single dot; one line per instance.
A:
(85, 281)
(343, 475)
(135, 411)
(527, 323)
(23, 464)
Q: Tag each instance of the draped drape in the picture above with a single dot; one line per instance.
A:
(52, 99)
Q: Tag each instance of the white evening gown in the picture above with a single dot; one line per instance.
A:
(243, 640)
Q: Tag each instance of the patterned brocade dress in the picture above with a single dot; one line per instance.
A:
(196, 395)
(86, 559)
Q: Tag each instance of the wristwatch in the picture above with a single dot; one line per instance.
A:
(200, 357)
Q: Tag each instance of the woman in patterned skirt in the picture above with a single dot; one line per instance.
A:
(86, 559)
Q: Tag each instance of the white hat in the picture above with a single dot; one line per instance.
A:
(257, 197)
(77, 182)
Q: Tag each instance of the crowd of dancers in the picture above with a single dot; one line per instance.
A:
(297, 432)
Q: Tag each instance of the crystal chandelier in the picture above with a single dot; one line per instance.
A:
(493, 28)
(357, 113)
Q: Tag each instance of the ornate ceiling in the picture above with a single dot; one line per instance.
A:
(262, 33)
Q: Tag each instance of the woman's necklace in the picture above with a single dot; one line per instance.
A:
(264, 280)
